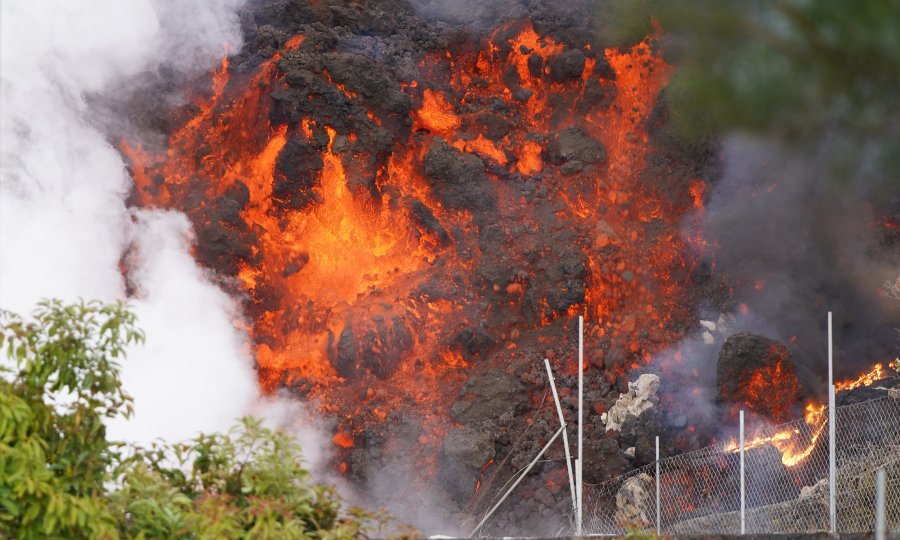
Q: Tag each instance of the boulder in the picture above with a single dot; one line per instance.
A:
(758, 373)
(635, 502)
(567, 66)
(573, 144)
(641, 396)
(458, 178)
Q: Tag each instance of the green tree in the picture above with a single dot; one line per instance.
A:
(60, 477)
(805, 73)
(54, 400)
(248, 483)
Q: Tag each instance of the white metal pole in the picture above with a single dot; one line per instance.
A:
(578, 475)
(830, 354)
(562, 423)
(516, 483)
(658, 529)
(743, 496)
(580, 465)
(832, 466)
(832, 477)
(880, 528)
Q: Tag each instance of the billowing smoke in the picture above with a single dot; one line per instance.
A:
(797, 241)
(64, 224)
(792, 242)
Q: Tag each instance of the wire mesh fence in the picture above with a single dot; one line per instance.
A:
(786, 475)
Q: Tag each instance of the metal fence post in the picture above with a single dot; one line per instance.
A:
(658, 529)
(832, 465)
(880, 526)
(832, 480)
(516, 483)
(579, 484)
(743, 498)
(562, 422)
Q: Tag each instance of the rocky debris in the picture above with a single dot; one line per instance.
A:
(597, 94)
(714, 331)
(573, 145)
(758, 372)
(458, 178)
(635, 502)
(640, 433)
(465, 451)
(818, 491)
(569, 272)
(641, 396)
(865, 393)
(355, 73)
(887, 386)
(487, 396)
(424, 218)
(603, 459)
(226, 238)
(473, 342)
(366, 77)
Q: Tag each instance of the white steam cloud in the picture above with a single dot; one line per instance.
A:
(63, 221)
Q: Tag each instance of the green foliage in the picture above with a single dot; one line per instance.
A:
(794, 68)
(635, 533)
(249, 483)
(61, 478)
(63, 384)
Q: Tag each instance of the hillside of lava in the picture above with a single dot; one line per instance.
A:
(413, 210)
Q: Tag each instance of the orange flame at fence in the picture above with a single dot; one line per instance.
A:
(794, 450)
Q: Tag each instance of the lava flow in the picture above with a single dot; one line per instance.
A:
(386, 239)
(796, 444)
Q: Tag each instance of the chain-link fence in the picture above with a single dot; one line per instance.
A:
(785, 476)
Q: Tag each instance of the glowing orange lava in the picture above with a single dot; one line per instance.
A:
(797, 444)
(356, 276)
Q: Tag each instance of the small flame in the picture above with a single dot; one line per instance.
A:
(793, 450)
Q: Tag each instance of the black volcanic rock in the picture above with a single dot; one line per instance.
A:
(376, 347)
(465, 451)
(877, 389)
(744, 357)
(458, 178)
(424, 218)
(473, 342)
(487, 396)
(567, 66)
(535, 65)
(573, 144)
(297, 170)
(604, 459)
(366, 77)
(640, 432)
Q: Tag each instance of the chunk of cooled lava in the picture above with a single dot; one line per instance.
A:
(636, 416)
(758, 373)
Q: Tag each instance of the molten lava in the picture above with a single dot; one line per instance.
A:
(367, 284)
(772, 390)
(796, 444)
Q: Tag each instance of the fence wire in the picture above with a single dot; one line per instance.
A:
(786, 481)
